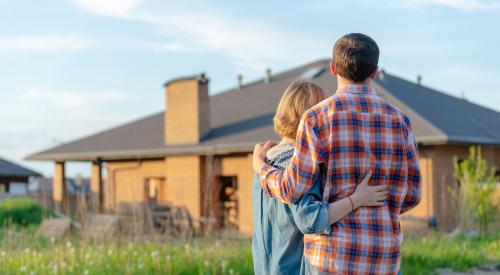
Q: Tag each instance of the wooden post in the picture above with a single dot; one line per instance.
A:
(59, 188)
(96, 186)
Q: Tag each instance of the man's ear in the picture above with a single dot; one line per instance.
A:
(332, 69)
(374, 74)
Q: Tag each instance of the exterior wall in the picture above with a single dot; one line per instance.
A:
(185, 178)
(417, 218)
(241, 167)
(443, 179)
(183, 182)
(126, 181)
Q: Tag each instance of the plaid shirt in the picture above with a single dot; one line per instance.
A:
(348, 134)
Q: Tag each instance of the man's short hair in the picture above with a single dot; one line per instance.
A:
(355, 57)
(300, 96)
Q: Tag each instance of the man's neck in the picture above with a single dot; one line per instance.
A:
(342, 82)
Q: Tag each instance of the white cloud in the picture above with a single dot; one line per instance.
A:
(45, 43)
(42, 118)
(69, 99)
(118, 8)
(251, 44)
(469, 5)
(463, 5)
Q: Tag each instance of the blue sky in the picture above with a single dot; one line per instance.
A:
(70, 68)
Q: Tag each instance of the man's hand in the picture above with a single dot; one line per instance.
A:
(259, 154)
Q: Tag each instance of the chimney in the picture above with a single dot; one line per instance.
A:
(187, 114)
(267, 79)
(239, 78)
(419, 79)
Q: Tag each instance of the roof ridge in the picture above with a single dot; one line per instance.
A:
(280, 73)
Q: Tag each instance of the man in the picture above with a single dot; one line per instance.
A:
(349, 134)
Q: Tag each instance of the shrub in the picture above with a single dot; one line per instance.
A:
(20, 211)
(477, 183)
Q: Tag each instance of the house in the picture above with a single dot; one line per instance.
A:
(198, 153)
(14, 179)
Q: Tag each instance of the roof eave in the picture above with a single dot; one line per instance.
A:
(147, 154)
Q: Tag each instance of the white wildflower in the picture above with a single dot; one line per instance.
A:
(86, 272)
(110, 252)
(207, 263)
(26, 250)
(23, 268)
(155, 254)
(169, 257)
(68, 244)
(3, 253)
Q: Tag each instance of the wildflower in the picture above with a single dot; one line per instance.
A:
(52, 239)
(3, 253)
(169, 257)
(87, 256)
(207, 263)
(23, 268)
(86, 272)
(231, 271)
(223, 264)
(26, 250)
(68, 244)
(155, 254)
(110, 252)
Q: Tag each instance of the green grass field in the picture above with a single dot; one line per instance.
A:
(22, 253)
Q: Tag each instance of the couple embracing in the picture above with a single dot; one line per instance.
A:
(327, 198)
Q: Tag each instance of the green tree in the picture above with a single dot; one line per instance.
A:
(476, 187)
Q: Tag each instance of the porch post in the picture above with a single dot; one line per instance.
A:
(59, 188)
(96, 185)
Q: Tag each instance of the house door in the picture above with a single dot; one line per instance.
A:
(155, 191)
(228, 203)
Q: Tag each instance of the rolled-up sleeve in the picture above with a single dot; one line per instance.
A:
(311, 213)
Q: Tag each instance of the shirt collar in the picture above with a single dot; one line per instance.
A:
(356, 89)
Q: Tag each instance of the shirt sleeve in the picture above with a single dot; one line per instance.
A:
(290, 185)
(414, 192)
(310, 214)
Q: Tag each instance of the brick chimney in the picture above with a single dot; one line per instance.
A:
(187, 114)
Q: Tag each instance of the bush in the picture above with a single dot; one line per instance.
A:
(20, 211)
(477, 183)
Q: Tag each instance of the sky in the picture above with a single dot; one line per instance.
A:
(70, 68)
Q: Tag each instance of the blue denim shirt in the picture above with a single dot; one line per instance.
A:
(278, 240)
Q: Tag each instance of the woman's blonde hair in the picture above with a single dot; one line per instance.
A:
(298, 98)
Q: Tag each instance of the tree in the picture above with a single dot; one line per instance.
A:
(476, 187)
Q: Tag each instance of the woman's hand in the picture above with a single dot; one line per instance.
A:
(366, 195)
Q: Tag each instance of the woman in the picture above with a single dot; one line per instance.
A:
(278, 244)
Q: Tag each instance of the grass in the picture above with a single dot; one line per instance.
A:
(23, 253)
(29, 255)
(423, 255)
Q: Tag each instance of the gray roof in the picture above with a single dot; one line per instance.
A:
(11, 170)
(242, 117)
